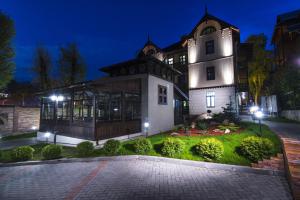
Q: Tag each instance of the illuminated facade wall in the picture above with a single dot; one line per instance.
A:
(222, 60)
(198, 99)
(224, 73)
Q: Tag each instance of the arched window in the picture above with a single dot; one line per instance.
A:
(151, 52)
(208, 30)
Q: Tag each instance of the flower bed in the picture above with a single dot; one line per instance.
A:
(211, 131)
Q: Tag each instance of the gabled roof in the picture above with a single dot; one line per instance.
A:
(208, 16)
(149, 43)
(173, 47)
(288, 16)
(140, 60)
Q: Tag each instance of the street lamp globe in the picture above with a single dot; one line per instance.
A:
(259, 114)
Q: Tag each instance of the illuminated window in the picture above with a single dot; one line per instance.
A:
(210, 99)
(170, 61)
(162, 95)
(182, 59)
(208, 30)
(210, 73)
(210, 47)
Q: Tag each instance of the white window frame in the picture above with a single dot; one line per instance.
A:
(210, 99)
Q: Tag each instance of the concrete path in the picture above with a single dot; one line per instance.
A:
(291, 130)
(136, 179)
(17, 142)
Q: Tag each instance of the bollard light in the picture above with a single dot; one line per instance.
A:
(146, 124)
(259, 115)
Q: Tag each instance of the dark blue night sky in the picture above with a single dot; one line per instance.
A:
(114, 30)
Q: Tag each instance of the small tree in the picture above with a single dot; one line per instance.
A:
(7, 65)
(286, 84)
(260, 65)
(42, 67)
(71, 65)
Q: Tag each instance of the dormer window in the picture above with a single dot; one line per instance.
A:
(208, 30)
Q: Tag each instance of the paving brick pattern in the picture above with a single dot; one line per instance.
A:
(274, 163)
(292, 158)
(135, 179)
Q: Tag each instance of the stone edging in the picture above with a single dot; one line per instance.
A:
(207, 165)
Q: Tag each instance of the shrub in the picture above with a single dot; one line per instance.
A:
(85, 148)
(172, 147)
(210, 149)
(201, 125)
(256, 148)
(111, 146)
(51, 151)
(142, 145)
(227, 114)
(22, 153)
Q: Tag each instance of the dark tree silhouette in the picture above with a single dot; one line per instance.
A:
(71, 65)
(42, 67)
(7, 65)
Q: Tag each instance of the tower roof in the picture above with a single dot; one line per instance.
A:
(207, 17)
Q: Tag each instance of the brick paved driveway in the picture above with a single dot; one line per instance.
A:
(135, 179)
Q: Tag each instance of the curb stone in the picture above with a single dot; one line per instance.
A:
(201, 164)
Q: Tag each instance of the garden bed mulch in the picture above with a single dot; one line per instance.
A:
(212, 131)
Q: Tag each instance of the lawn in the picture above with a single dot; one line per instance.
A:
(13, 137)
(230, 142)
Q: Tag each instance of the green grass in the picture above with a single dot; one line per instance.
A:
(281, 119)
(13, 137)
(230, 142)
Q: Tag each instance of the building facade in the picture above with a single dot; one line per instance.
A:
(213, 63)
(286, 40)
(154, 91)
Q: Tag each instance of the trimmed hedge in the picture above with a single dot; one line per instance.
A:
(52, 151)
(172, 147)
(85, 148)
(256, 148)
(210, 149)
(142, 145)
(22, 153)
(111, 146)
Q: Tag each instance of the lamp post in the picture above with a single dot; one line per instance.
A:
(56, 99)
(259, 115)
(253, 110)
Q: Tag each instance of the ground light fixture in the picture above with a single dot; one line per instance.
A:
(34, 128)
(259, 115)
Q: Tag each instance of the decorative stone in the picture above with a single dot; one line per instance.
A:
(227, 131)
(202, 132)
(174, 134)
